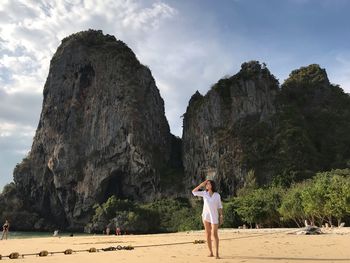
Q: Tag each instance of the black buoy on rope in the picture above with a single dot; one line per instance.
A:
(68, 251)
(129, 247)
(14, 255)
(43, 253)
(109, 249)
(92, 250)
(119, 247)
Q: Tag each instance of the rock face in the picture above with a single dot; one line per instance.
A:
(282, 135)
(313, 123)
(102, 132)
(212, 145)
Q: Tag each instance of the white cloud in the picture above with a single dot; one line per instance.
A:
(7, 129)
(19, 63)
(146, 18)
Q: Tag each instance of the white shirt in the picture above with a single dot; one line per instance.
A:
(211, 206)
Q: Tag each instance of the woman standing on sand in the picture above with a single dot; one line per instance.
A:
(212, 212)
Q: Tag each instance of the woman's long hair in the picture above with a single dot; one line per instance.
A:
(213, 185)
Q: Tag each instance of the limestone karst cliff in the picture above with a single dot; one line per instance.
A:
(212, 125)
(282, 134)
(102, 132)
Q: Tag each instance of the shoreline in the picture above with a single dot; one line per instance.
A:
(39, 234)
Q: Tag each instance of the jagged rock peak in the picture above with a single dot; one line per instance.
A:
(93, 39)
(196, 96)
(254, 69)
(250, 71)
(312, 74)
(90, 36)
(253, 66)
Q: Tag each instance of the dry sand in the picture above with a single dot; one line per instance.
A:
(262, 245)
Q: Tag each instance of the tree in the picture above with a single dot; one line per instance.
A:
(260, 206)
(250, 207)
(250, 184)
(338, 197)
(327, 195)
(314, 198)
(291, 206)
(231, 217)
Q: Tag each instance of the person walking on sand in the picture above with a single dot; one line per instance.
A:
(212, 212)
(108, 230)
(5, 230)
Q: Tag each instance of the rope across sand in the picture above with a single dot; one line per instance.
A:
(44, 253)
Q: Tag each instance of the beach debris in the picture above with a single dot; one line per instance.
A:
(43, 253)
(310, 230)
(341, 225)
(199, 242)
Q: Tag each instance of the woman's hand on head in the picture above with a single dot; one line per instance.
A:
(204, 183)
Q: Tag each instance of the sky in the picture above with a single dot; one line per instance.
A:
(188, 45)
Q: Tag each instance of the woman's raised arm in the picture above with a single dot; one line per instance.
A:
(199, 186)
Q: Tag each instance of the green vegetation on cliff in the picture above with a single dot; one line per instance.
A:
(310, 131)
(320, 112)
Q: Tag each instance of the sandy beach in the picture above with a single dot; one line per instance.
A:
(262, 245)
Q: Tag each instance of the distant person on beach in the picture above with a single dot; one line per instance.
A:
(5, 230)
(55, 233)
(212, 212)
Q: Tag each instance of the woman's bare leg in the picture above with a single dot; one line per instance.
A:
(207, 227)
(216, 239)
